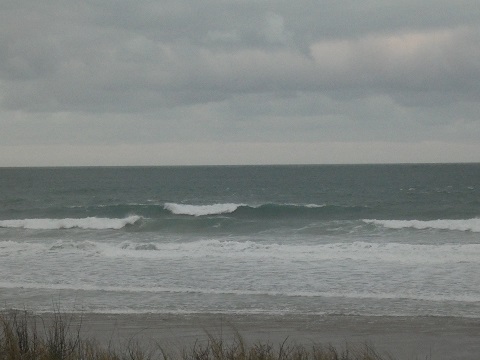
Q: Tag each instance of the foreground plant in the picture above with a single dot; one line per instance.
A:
(27, 337)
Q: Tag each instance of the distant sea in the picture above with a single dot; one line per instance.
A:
(372, 240)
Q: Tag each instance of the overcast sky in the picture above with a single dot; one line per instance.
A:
(162, 82)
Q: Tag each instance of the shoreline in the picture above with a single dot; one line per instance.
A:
(436, 338)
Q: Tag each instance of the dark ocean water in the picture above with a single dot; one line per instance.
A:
(366, 239)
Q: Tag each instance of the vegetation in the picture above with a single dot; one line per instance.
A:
(26, 337)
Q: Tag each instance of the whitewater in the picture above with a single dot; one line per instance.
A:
(394, 240)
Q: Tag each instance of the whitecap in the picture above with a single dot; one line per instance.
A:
(69, 223)
(201, 210)
(472, 225)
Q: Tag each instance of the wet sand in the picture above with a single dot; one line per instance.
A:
(436, 338)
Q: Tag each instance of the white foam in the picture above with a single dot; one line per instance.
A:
(376, 253)
(314, 206)
(201, 210)
(250, 251)
(221, 208)
(68, 223)
(472, 225)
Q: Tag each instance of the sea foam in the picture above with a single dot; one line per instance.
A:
(472, 225)
(93, 223)
(250, 251)
(393, 295)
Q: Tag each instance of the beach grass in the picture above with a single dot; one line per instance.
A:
(24, 336)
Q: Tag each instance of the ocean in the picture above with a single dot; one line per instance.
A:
(372, 240)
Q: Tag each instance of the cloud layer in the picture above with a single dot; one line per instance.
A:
(153, 72)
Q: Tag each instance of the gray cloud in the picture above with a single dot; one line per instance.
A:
(152, 71)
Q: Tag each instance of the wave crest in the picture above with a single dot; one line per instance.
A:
(229, 208)
(93, 223)
(201, 210)
(472, 225)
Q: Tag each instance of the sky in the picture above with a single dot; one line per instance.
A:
(188, 82)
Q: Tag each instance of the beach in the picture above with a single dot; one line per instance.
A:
(436, 338)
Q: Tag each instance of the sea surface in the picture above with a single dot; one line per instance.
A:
(373, 240)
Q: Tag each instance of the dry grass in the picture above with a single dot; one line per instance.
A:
(26, 337)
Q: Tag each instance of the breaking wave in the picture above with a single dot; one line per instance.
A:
(472, 225)
(93, 223)
(260, 210)
(201, 210)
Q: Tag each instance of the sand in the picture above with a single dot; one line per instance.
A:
(436, 338)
